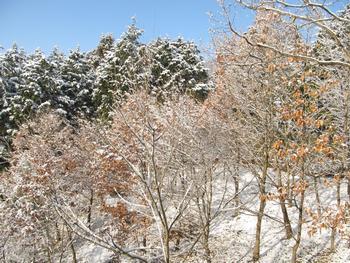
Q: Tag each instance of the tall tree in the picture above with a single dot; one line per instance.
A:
(176, 67)
(120, 71)
(11, 69)
(76, 85)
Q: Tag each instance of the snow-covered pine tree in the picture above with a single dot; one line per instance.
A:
(177, 67)
(94, 82)
(38, 90)
(56, 60)
(11, 68)
(76, 85)
(95, 56)
(120, 71)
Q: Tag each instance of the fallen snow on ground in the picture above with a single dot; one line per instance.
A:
(90, 253)
(232, 237)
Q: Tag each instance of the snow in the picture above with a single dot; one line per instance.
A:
(93, 254)
(233, 237)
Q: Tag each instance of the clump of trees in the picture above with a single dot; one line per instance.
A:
(90, 84)
(169, 172)
(288, 100)
(142, 188)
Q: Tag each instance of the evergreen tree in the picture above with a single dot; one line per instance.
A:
(120, 71)
(178, 68)
(106, 43)
(90, 84)
(11, 69)
(38, 89)
(76, 85)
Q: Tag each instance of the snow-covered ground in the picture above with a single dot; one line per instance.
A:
(232, 237)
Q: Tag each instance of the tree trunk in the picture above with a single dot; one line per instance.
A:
(166, 244)
(90, 208)
(300, 218)
(206, 244)
(71, 244)
(300, 225)
(262, 182)
(286, 221)
(334, 227)
(289, 189)
(317, 196)
(256, 251)
(144, 243)
(292, 192)
(333, 234)
(236, 182)
(338, 192)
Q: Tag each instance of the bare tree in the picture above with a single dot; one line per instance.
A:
(254, 78)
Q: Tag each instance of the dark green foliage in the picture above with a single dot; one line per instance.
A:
(119, 72)
(76, 86)
(178, 68)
